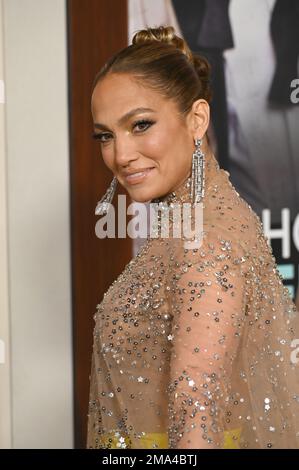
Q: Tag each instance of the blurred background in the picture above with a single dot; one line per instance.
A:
(53, 268)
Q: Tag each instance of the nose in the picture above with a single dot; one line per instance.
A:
(124, 151)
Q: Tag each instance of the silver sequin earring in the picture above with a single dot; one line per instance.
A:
(103, 205)
(197, 176)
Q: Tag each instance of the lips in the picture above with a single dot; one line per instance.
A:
(138, 176)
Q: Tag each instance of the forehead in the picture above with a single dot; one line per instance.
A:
(116, 94)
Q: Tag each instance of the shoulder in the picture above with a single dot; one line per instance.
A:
(219, 251)
(229, 214)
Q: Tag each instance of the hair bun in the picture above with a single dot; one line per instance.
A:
(165, 34)
(203, 70)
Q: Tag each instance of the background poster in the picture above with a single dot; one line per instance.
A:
(253, 47)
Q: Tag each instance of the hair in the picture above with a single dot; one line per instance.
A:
(163, 61)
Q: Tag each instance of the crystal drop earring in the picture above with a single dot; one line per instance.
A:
(103, 205)
(198, 175)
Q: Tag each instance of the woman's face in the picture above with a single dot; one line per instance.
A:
(144, 141)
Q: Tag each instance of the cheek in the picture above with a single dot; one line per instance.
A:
(107, 157)
(161, 145)
(173, 154)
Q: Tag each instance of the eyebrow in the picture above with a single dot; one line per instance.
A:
(125, 117)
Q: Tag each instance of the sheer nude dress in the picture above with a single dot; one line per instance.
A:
(196, 348)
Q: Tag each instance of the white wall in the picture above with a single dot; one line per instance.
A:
(38, 227)
(5, 391)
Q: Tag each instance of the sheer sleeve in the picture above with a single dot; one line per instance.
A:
(207, 290)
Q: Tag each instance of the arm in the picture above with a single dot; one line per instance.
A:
(206, 300)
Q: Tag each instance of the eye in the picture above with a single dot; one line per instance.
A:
(103, 137)
(100, 136)
(143, 122)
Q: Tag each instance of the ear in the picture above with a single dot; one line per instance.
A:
(199, 118)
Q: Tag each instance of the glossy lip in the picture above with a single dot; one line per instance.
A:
(132, 179)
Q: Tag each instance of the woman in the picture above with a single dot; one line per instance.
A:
(195, 342)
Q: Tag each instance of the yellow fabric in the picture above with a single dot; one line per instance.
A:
(148, 441)
(157, 440)
(111, 441)
(232, 439)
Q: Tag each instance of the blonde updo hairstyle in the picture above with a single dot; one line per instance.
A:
(162, 61)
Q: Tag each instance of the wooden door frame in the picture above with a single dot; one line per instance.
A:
(96, 30)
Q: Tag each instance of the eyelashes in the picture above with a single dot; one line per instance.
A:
(141, 122)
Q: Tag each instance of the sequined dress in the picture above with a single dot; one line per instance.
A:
(196, 348)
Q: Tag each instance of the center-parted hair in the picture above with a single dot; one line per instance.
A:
(163, 61)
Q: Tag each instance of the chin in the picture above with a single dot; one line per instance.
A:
(143, 199)
(142, 195)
